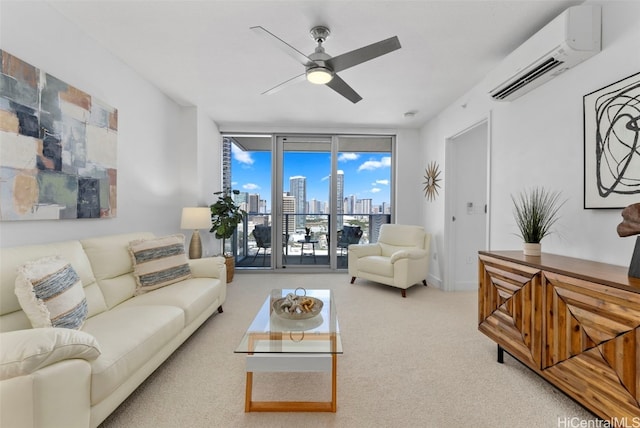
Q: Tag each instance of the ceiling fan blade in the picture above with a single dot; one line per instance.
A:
(282, 45)
(291, 81)
(358, 56)
(341, 87)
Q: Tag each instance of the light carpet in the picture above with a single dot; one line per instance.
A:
(418, 361)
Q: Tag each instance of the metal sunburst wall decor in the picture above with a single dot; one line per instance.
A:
(431, 185)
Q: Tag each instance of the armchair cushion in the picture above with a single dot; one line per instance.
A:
(376, 265)
(25, 351)
(412, 253)
(364, 250)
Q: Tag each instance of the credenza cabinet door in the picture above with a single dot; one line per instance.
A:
(509, 307)
(591, 344)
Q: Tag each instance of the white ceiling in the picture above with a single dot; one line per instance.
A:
(203, 53)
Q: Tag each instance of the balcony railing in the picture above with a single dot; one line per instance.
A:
(295, 250)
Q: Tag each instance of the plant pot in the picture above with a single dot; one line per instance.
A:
(532, 249)
(307, 238)
(231, 267)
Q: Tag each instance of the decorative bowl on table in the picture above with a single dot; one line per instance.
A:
(297, 307)
(279, 323)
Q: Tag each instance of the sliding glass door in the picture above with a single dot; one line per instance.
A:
(308, 197)
(304, 199)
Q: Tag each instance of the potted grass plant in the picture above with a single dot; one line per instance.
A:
(535, 211)
(225, 217)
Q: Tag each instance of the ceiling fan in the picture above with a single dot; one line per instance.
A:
(321, 68)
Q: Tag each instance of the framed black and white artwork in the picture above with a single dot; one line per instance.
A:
(612, 145)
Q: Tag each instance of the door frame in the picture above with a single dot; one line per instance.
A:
(450, 198)
(277, 190)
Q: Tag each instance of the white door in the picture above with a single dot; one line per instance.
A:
(467, 206)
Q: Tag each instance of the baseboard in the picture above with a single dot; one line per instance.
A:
(466, 286)
(434, 281)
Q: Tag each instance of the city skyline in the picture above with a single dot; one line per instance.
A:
(367, 175)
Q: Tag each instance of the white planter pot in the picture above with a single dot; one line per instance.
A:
(532, 249)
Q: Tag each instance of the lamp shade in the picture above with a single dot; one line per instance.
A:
(196, 218)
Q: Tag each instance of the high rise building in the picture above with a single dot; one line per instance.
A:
(254, 203)
(366, 206)
(241, 200)
(288, 207)
(340, 195)
(351, 205)
(298, 189)
(315, 206)
(340, 202)
(226, 163)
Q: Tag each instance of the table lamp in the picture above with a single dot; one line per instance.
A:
(195, 218)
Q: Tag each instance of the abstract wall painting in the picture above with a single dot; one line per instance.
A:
(612, 145)
(58, 148)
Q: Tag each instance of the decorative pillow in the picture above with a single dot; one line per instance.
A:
(25, 351)
(158, 262)
(51, 294)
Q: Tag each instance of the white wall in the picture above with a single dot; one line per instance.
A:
(409, 177)
(537, 140)
(157, 138)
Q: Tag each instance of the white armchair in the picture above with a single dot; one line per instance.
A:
(400, 258)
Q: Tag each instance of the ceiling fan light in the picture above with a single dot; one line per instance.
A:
(319, 75)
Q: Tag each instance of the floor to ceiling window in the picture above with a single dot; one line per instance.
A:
(307, 196)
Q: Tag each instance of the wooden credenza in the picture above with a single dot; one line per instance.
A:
(574, 322)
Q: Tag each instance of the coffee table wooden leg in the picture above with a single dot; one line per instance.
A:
(294, 406)
(248, 392)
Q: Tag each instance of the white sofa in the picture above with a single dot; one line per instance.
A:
(400, 258)
(58, 377)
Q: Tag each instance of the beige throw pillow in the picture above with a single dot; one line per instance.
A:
(51, 294)
(159, 262)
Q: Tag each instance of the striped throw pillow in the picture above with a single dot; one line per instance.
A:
(158, 262)
(51, 294)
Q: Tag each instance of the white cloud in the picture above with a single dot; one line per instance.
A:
(345, 157)
(375, 190)
(382, 182)
(241, 156)
(370, 165)
(250, 186)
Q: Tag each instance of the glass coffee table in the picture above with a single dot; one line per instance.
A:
(296, 341)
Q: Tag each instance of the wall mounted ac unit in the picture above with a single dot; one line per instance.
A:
(569, 39)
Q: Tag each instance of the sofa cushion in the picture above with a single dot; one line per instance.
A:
(111, 263)
(377, 265)
(12, 317)
(51, 294)
(25, 351)
(400, 235)
(159, 262)
(129, 337)
(193, 296)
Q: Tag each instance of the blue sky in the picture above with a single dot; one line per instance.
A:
(366, 175)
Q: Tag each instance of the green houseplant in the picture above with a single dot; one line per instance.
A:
(535, 212)
(225, 217)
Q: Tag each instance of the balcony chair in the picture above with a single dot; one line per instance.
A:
(400, 258)
(347, 236)
(262, 235)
